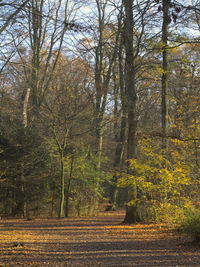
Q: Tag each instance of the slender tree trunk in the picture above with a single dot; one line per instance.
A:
(166, 4)
(62, 181)
(25, 108)
(114, 189)
(61, 149)
(68, 189)
(100, 147)
(23, 192)
(21, 200)
(67, 199)
(164, 103)
(52, 203)
(102, 77)
(131, 210)
(118, 160)
(122, 138)
(36, 20)
(99, 112)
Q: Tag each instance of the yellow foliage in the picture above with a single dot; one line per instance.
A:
(162, 71)
(159, 175)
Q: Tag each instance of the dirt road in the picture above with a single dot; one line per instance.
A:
(100, 241)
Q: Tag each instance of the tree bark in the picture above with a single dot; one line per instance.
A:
(21, 199)
(131, 210)
(62, 182)
(121, 139)
(37, 6)
(25, 108)
(164, 104)
(68, 188)
(61, 148)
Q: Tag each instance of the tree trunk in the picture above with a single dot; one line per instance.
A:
(21, 199)
(68, 189)
(61, 149)
(100, 94)
(62, 180)
(131, 211)
(102, 77)
(25, 107)
(67, 199)
(166, 4)
(36, 47)
(122, 138)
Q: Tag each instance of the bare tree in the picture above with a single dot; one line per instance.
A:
(102, 75)
(10, 17)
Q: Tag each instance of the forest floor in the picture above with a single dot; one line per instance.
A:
(94, 241)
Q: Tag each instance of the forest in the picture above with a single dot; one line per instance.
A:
(100, 108)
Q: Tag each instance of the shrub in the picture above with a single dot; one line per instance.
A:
(191, 223)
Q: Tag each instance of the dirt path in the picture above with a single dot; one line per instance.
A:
(99, 241)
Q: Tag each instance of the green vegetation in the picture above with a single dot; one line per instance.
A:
(190, 223)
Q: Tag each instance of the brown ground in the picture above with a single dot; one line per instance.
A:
(100, 241)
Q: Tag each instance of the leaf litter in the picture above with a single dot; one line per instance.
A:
(93, 241)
